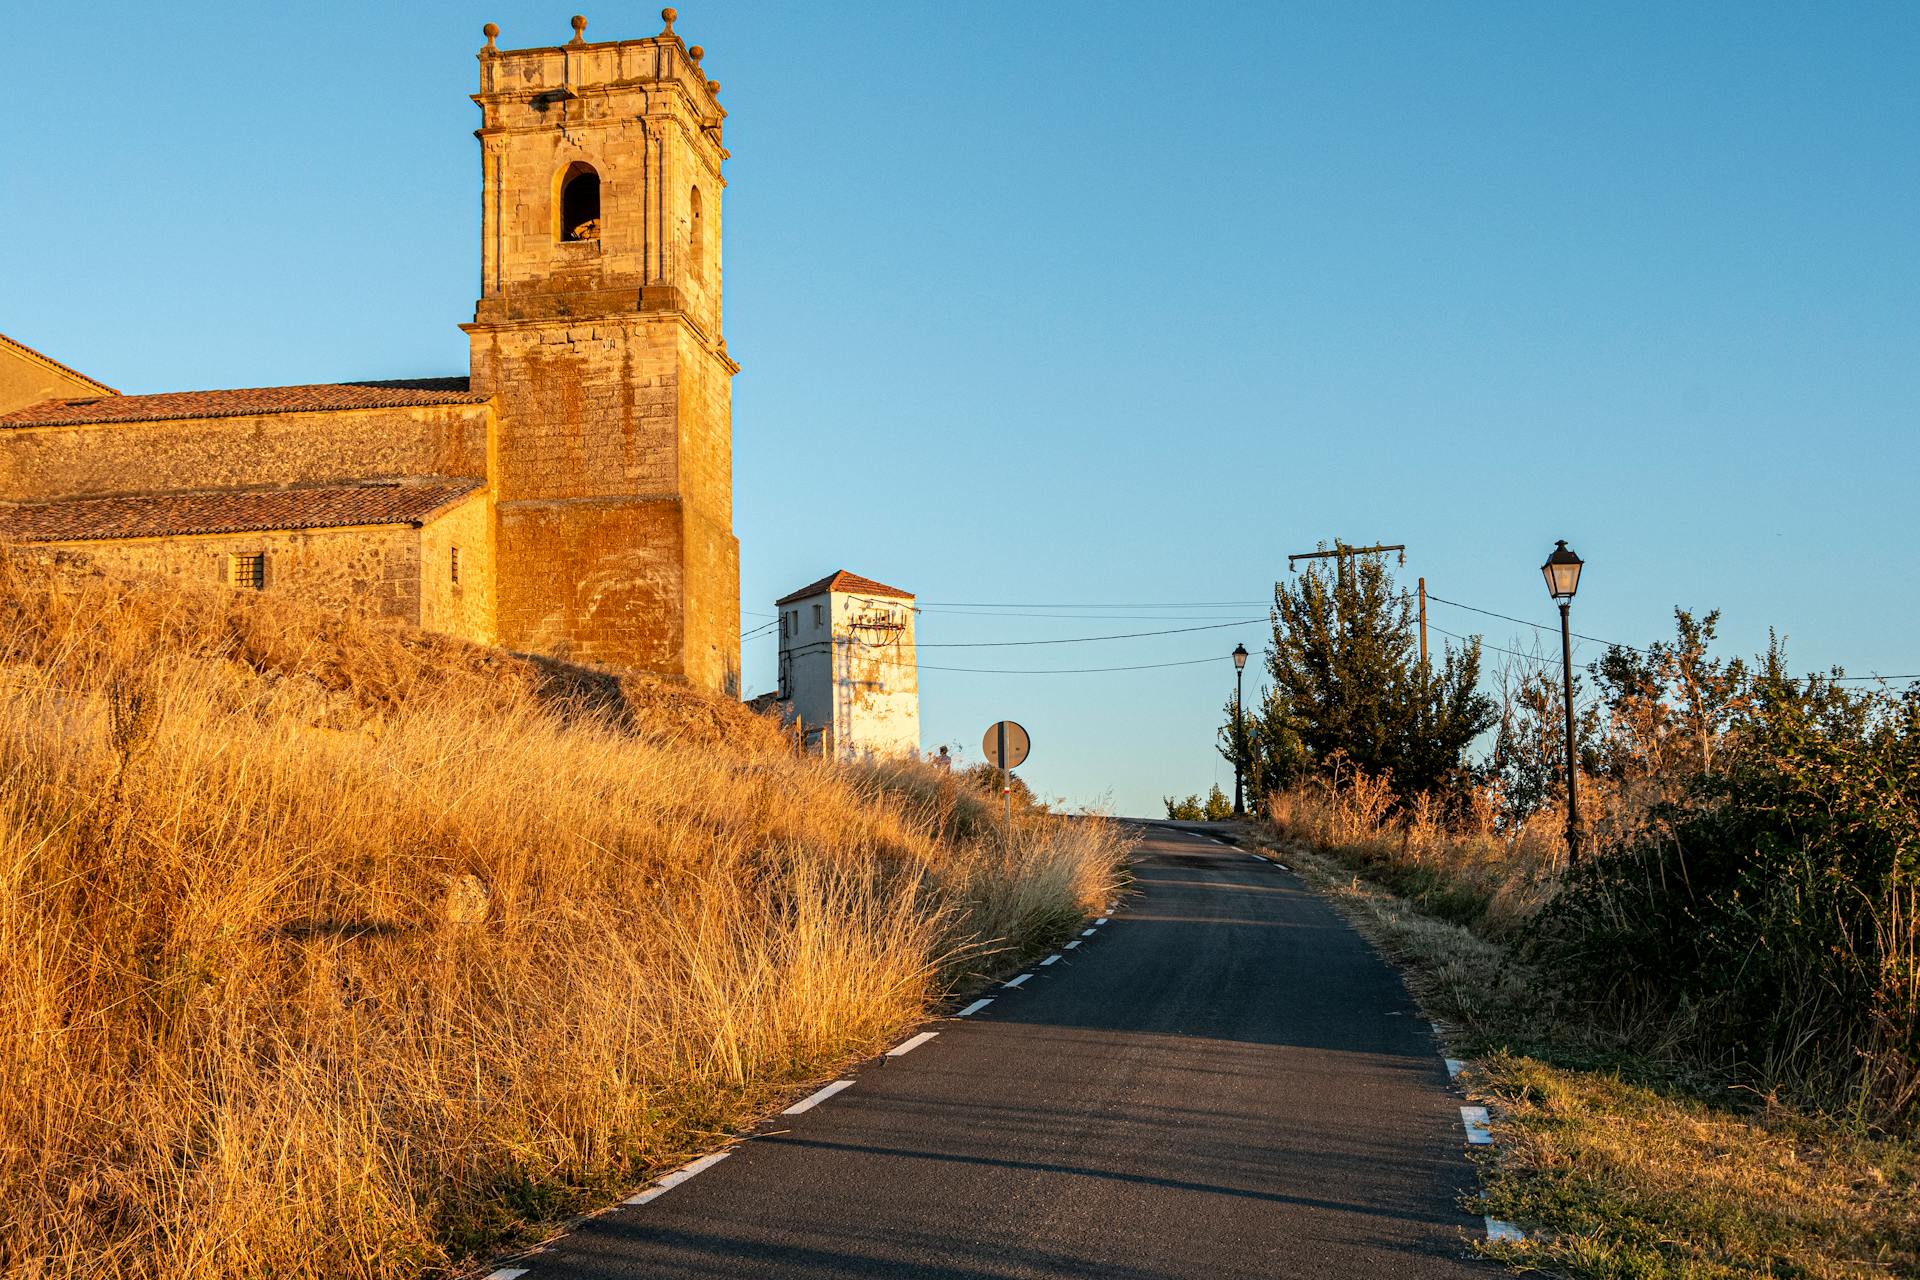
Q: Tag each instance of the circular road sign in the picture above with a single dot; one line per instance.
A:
(1006, 745)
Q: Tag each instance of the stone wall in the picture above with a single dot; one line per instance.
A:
(462, 607)
(28, 378)
(586, 409)
(593, 582)
(212, 453)
(373, 571)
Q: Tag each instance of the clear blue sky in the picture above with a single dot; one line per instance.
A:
(1091, 303)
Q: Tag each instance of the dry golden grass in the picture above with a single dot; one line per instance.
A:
(333, 949)
(1467, 870)
(1613, 1178)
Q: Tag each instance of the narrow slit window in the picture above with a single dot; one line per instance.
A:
(453, 565)
(696, 234)
(248, 572)
(579, 203)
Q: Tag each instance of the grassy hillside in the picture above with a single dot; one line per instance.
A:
(331, 948)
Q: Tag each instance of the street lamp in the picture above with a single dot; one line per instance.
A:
(1239, 728)
(1562, 572)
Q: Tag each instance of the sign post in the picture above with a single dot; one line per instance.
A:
(1006, 745)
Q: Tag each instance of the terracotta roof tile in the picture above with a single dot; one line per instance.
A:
(847, 584)
(244, 402)
(228, 511)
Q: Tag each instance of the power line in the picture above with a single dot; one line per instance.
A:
(1125, 635)
(1074, 671)
(1111, 604)
(1537, 626)
(1077, 617)
(1530, 657)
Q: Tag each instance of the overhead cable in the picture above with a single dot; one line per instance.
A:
(1074, 671)
(1124, 635)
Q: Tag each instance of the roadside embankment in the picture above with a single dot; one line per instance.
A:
(1623, 1146)
(333, 948)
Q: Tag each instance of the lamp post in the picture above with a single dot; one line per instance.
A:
(1239, 729)
(1562, 572)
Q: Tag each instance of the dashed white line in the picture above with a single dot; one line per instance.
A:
(817, 1097)
(1502, 1232)
(974, 1008)
(674, 1179)
(1073, 944)
(1086, 933)
(1050, 959)
(507, 1273)
(1256, 857)
(1475, 1119)
(1454, 1068)
(1102, 920)
(1284, 867)
(908, 1046)
(1017, 981)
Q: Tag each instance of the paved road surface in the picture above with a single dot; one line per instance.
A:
(1222, 1082)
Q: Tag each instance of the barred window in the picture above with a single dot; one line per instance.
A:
(453, 565)
(248, 572)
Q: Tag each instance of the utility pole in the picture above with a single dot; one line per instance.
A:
(1423, 626)
(1345, 554)
(1342, 558)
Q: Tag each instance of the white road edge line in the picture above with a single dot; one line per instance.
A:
(908, 1046)
(974, 1008)
(1454, 1068)
(1284, 867)
(1017, 981)
(1051, 959)
(817, 1097)
(1475, 1120)
(1102, 920)
(1498, 1232)
(678, 1176)
(1073, 944)
(1086, 933)
(514, 1273)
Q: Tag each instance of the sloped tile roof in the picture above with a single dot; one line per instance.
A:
(228, 511)
(244, 402)
(847, 584)
(69, 370)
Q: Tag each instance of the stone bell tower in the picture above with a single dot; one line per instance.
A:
(598, 332)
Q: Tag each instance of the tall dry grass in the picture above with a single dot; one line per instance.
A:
(1464, 865)
(331, 949)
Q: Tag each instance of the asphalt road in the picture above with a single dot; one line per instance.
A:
(1223, 1081)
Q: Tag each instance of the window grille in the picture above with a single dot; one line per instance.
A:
(248, 572)
(453, 565)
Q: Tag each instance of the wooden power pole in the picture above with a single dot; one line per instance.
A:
(1423, 626)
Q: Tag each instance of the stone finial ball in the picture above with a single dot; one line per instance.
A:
(491, 30)
(579, 22)
(669, 16)
(713, 86)
(696, 53)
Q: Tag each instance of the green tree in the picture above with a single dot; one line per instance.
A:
(1193, 809)
(1670, 707)
(1346, 679)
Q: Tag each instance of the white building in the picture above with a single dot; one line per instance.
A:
(847, 669)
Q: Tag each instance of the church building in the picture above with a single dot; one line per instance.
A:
(572, 495)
